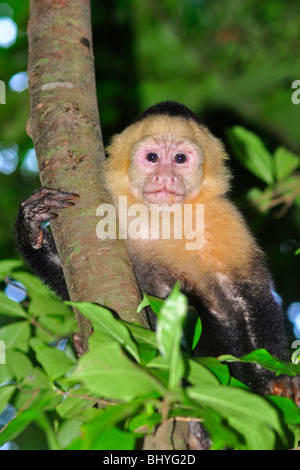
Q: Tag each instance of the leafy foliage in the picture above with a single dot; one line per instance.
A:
(277, 171)
(129, 382)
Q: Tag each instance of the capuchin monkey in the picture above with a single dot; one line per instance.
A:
(167, 158)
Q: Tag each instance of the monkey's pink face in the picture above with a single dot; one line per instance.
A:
(169, 171)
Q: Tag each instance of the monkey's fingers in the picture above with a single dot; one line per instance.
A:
(288, 387)
(37, 209)
(48, 198)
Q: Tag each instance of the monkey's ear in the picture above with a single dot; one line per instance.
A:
(113, 145)
(117, 164)
(216, 174)
(117, 150)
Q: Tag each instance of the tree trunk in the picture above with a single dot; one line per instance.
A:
(64, 125)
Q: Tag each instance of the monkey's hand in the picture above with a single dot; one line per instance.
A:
(38, 209)
(286, 386)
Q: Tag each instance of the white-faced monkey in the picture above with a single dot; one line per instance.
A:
(166, 157)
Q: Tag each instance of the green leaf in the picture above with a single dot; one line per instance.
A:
(169, 333)
(221, 434)
(147, 353)
(251, 152)
(16, 335)
(45, 304)
(32, 284)
(19, 364)
(244, 407)
(103, 421)
(114, 439)
(145, 420)
(54, 361)
(68, 431)
(17, 425)
(107, 371)
(11, 308)
(285, 162)
(5, 374)
(159, 362)
(288, 408)
(154, 302)
(36, 379)
(6, 391)
(258, 436)
(220, 370)
(199, 375)
(21, 421)
(265, 359)
(98, 337)
(57, 325)
(142, 335)
(103, 320)
(192, 329)
(9, 265)
(72, 405)
(237, 383)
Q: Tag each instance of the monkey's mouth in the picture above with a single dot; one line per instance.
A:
(164, 196)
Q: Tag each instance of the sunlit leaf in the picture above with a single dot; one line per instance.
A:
(7, 266)
(16, 335)
(251, 152)
(169, 331)
(153, 302)
(247, 409)
(285, 162)
(103, 320)
(11, 308)
(107, 371)
(19, 364)
(54, 361)
(6, 392)
(264, 358)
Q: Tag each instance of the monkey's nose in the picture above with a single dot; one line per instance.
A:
(164, 179)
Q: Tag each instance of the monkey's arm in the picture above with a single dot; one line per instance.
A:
(268, 328)
(244, 316)
(36, 244)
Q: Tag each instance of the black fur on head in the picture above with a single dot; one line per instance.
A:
(169, 108)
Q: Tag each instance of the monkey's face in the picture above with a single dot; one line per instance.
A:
(166, 160)
(165, 170)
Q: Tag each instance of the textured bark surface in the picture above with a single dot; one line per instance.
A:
(65, 127)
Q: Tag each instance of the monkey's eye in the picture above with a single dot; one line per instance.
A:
(152, 157)
(180, 158)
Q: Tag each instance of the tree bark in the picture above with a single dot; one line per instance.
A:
(64, 125)
(65, 128)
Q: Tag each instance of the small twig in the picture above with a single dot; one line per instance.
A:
(23, 408)
(86, 397)
(34, 322)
